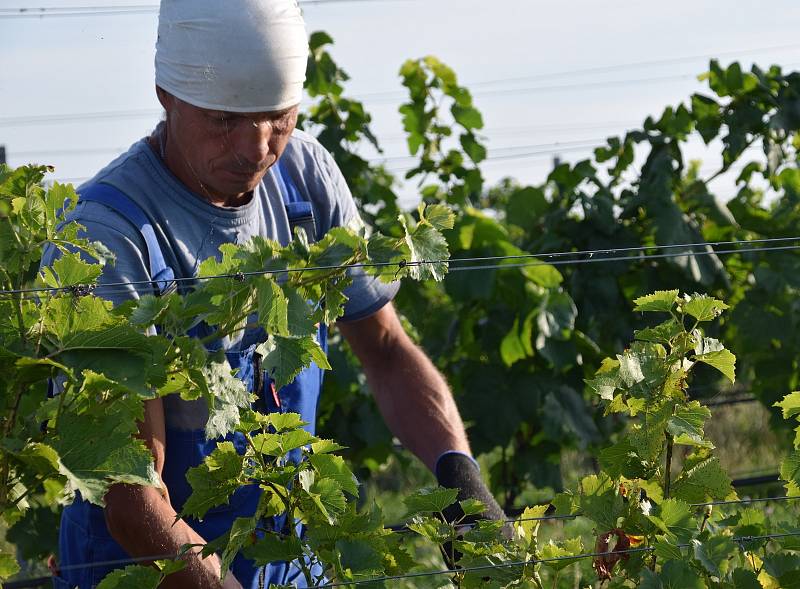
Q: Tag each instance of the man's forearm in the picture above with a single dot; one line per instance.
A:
(143, 522)
(412, 395)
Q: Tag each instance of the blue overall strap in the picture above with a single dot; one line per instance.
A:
(163, 276)
(298, 210)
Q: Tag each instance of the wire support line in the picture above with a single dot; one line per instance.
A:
(606, 69)
(67, 118)
(570, 516)
(131, 9)
(396, 266)
(740, 540)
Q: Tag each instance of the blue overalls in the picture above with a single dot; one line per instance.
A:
(83, 535)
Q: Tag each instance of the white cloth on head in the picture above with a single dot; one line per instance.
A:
(232, 55)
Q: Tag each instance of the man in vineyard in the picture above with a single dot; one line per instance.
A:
(227, 164)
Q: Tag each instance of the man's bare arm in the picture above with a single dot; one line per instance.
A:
(412, 395)
(143, 522)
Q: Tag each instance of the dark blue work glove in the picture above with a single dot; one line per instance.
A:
(455, 470)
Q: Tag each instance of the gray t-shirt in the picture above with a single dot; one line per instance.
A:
(189, 229)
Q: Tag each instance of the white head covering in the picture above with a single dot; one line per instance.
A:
(232, 55)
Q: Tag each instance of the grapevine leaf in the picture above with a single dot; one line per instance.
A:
(325, 446)
(790, 405)
(429, 500)
(527, 527)
(790, 468)
(431, 528)
(96, 450)
(661, 300)
(132, 577)
(327, 495)
(686, 425)
(240, 535)
(745, 579)
(213, 481)
(662, 333)
(360, 556)
(286, 357)
(72, 270)
(334, 467)
(570, 547)
(604, 385)
(713, 553)
(8, 566)
(722, 360)
(273, 307)
(675, 574)
(439, 216)
(703, 307)
(545, 275)
(785, 568)
(706, 479)
(428, 249)
(621, 459)
(227, 394)
(299, 314)
(630, 369)
(467, 116)
(600, 500)
(149, 310)
(514, 347)
(667, 549)
(472, 506)
(294, 439)
(283, 422)
(274, 548)
(675, 519)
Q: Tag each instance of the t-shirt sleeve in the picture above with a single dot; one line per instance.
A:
(118, 235)
(367, 294)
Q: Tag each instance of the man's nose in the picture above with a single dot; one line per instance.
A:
(251, 142)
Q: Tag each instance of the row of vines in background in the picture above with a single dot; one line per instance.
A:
(517, 345)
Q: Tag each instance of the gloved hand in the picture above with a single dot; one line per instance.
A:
(455, 470)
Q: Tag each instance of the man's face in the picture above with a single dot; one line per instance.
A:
(223, 155)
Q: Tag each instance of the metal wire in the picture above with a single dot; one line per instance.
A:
(548, 518)
(737, 539)
(740, 540)
(148, 284)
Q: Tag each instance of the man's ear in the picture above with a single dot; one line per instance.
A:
(166, 99)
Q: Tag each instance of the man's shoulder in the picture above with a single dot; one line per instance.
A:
(128, 162)
(307, 153)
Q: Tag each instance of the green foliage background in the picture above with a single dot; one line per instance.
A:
(517, 344)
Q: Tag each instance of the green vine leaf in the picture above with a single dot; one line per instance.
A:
(703, 481)
(661, 300)
(286, 357)
(723, 360)
(686, 425)
(703, 307)
(429, 501)
(213, 481)
(132, 577)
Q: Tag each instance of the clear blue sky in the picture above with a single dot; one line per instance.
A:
(74, 65)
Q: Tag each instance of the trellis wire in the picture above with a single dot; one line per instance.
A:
(740, 540)
(145, 285)
(548, 518)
